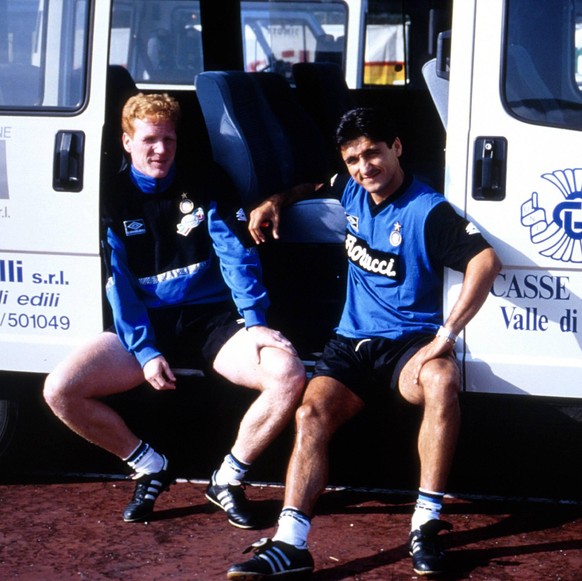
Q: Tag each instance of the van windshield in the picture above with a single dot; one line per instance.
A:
(277, 35)
(41, 65)
(161, 42)
(543, 71)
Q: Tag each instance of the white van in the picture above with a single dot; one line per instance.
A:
(509, 97)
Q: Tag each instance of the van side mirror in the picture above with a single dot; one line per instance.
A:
(443, 62)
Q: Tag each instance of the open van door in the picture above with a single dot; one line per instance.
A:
(52, 93)
(514, 165)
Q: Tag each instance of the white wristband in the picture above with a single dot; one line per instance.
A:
(444, 333)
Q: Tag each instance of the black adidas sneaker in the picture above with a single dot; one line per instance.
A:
(147, 490)
(273, 559)
(232, 499)
(428, 558)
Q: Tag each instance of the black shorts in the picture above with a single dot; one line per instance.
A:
(191, 336)
(365, 366)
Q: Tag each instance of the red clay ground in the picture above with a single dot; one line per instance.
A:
(74, 531)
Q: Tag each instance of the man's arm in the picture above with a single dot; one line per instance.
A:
(131, 318)
(479, 277)
(241, 270)
(269, 211)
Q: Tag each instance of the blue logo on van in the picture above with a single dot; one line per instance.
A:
(554, 216)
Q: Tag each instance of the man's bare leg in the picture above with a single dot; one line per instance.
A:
(279, 377)
(101, 368)
(327, 404)
(73, 391)
(436, 390)
(438, 393)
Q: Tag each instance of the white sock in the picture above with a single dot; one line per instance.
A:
(428, 507)
(293, 527)
(231, 471)
(145, 460)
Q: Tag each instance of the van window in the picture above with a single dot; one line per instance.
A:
(543, 72)
(41, 65)
(387, 33)
(276, 35)
(158, 42)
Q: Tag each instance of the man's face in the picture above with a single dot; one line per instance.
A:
(152, 147)
(374, 165)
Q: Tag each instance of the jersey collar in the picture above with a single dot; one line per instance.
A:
(377, 208)
(149, 185)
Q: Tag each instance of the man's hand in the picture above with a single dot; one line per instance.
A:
(267, 337)
(438, 347)
(158, 373)
(269, 211)
(266, 213)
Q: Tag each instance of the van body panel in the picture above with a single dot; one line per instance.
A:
(526, 338)
(50, 267)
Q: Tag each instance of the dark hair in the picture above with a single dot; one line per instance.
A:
(364, 122)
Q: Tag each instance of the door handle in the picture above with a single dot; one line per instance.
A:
(68, 161)
(489, 168)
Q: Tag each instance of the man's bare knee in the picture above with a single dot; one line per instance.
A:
(56, 394)
(285, 374)
(442, 374)
(440, 382)
(312, 423)
(295, 378)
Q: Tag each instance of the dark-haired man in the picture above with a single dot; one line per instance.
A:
(401, 234)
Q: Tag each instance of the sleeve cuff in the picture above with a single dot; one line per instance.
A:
(253, 318)
(146, 354)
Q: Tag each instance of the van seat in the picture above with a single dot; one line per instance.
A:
(259, 133)
(323, 92)
(266, 143)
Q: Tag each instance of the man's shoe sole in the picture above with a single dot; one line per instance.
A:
(139, 519)
(426, 573)
(287, 575)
